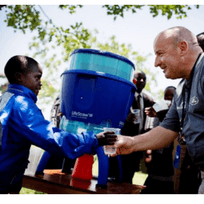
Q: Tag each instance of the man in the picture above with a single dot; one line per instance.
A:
(186, 174)
(131, 163)
(179, 55)
(141, 101)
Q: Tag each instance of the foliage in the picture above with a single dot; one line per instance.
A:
(72, 8)
(23, 17)
(180, 11)
(118, 10)
(50, 37)
(27, 17)
(4, 85)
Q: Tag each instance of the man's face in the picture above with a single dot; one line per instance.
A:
(139, 80)
(167, 57)
(32, 79)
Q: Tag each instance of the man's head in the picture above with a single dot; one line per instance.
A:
(200, 38)
(139, 80)
(176, 51)
(25, 71)
(169, 93)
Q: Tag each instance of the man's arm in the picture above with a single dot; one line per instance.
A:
(158, 137)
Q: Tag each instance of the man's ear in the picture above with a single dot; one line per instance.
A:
(183, 46)
(18, 77)
(134, 81)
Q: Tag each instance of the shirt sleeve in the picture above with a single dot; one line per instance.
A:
(30, 123)
(171, 121)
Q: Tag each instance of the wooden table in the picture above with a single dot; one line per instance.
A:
(56, 182)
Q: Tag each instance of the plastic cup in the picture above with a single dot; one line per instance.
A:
(162, 105)
(137, 113)
(110, 149)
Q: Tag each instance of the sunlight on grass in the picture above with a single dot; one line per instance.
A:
(29, 191)
(139, 177)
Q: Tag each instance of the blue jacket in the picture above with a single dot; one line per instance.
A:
(22, 124)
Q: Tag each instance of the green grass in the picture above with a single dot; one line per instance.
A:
(29, 191)
(139, 179)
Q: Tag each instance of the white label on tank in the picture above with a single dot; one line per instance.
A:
(78, 114)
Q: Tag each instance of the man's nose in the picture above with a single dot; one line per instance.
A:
(157, 62)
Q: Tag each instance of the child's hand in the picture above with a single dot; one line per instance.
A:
(106, 138)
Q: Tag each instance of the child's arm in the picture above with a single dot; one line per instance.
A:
(40, 132)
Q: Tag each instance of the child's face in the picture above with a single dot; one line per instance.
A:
(32, 79)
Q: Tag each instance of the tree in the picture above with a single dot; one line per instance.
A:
(180, 11)
(23, 17)
(33, 18)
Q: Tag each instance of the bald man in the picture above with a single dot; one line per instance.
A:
(179, 55)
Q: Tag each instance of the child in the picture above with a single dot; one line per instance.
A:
(22, 124)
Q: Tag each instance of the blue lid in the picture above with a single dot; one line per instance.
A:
(104, 53)
(101, 74)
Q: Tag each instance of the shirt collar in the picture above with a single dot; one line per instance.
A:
(21, 90)
(137, 94)
(189, 81)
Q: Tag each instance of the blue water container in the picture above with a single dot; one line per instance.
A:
(96, 98)
(101, 61)
(97, 91)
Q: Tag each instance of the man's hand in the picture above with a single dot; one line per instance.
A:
(124, 145)
(150, 112)
(106, 138)
(131, 118)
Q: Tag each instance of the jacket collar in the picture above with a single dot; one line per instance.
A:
(21, 90)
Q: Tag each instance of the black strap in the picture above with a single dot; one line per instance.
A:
(138, 101)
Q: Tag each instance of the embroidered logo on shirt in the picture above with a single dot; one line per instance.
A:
(194, 100)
